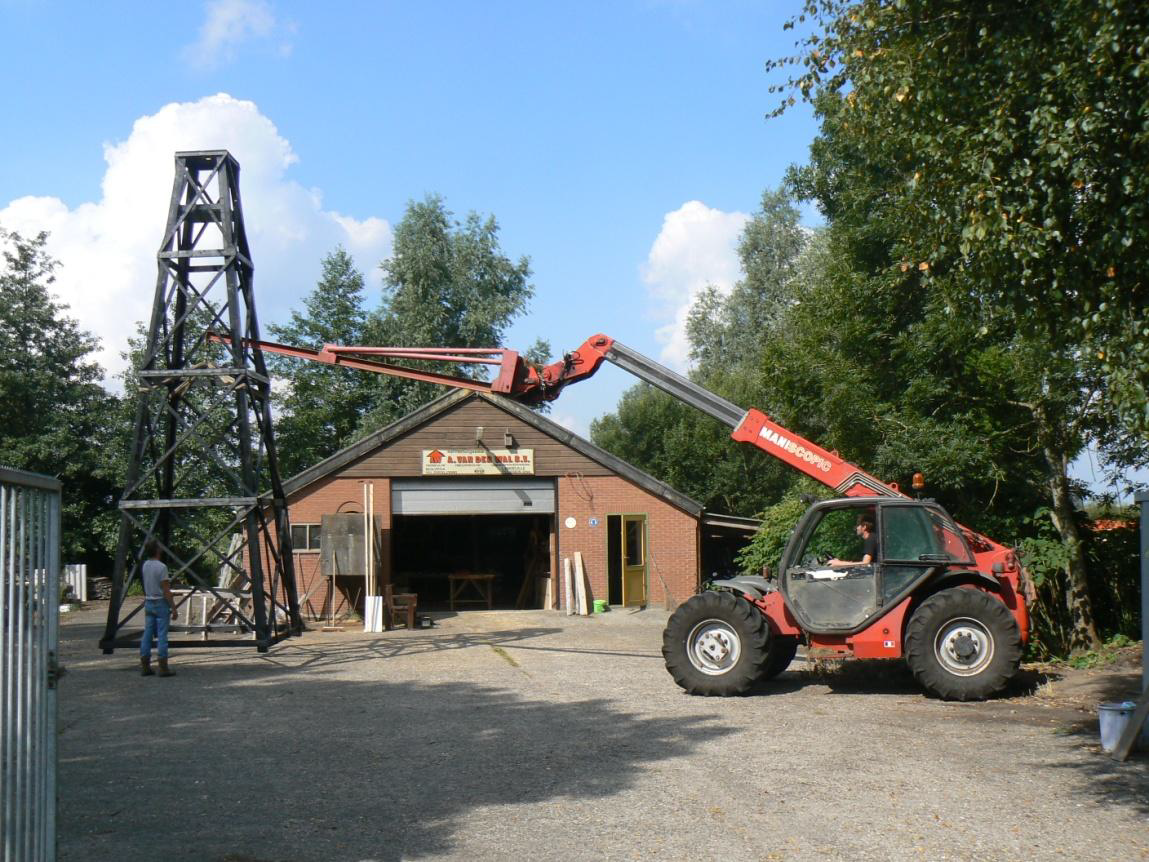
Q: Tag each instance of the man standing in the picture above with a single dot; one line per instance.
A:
(159, 609)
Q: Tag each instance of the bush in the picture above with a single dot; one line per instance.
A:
(1112, 558)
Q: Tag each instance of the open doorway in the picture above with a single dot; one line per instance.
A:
(510, 554)
(626, 567)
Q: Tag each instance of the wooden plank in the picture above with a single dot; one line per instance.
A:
(587, 605)
(581, 585)
(568, 586)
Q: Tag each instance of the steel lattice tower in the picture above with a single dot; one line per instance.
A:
(202, 477)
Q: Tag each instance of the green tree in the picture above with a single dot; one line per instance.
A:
(56, 414)
(323, 405)
(991, 161)
(689, 451)
(727, 333)
(883, 374)
(446, 284)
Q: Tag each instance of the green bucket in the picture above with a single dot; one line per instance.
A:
(600, 606)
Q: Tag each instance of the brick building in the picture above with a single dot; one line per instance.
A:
(477, 496)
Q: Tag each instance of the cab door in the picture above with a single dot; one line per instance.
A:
(838, 597)
(633, 560)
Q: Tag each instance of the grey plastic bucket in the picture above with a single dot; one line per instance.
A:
(1114, 719)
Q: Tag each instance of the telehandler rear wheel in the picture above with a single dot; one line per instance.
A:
(716, 643)
(963, 644)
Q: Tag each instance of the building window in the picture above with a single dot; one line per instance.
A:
(305, 537)
(633, 543)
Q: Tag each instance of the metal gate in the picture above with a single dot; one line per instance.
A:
(29, 632)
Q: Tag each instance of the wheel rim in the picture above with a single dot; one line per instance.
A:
(964, 647)
(713, 647)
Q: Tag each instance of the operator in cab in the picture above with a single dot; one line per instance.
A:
(867, 531)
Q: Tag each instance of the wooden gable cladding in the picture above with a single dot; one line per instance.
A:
(454, 428)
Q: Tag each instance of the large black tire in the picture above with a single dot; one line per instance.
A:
(781, 653)
(963, 644)
(716, 643)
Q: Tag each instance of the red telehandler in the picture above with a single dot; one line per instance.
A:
(948, 600)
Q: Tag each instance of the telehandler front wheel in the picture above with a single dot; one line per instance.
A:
(963, 644)
(716, 643)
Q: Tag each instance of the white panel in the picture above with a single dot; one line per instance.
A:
(516, 496)
(76, 576)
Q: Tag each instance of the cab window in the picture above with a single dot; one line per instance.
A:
(834, 536)
(920, 534)
(950, 537)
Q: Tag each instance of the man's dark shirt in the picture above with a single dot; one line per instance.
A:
(870, 546)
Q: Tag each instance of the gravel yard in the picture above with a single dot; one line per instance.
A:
(533, 735)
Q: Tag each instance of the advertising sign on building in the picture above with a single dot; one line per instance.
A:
(478, 462)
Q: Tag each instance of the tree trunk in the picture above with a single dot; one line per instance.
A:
(1083, 631)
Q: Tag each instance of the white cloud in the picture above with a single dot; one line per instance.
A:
(107, 248)
(696, 247)
(231, 23)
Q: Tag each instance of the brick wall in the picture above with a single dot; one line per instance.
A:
(672, 536)
(327, 497)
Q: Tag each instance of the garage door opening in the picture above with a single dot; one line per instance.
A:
(472, 561)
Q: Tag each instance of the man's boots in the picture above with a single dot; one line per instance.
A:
(146, 666)
(164, 669)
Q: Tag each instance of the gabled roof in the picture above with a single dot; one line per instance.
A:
(427, 412)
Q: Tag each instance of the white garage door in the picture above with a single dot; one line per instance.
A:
(472, 496)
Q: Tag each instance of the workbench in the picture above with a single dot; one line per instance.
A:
(474, 589)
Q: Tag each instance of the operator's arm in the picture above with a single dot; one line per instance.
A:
(865, 561)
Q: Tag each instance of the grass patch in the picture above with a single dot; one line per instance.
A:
(505, 656)
(1109, 653)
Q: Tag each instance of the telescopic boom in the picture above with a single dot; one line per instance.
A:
(523, 382)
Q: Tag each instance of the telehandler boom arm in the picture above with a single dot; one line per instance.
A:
(523, 382)
(747, 426)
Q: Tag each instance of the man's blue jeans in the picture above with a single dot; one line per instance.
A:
(157, 616)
